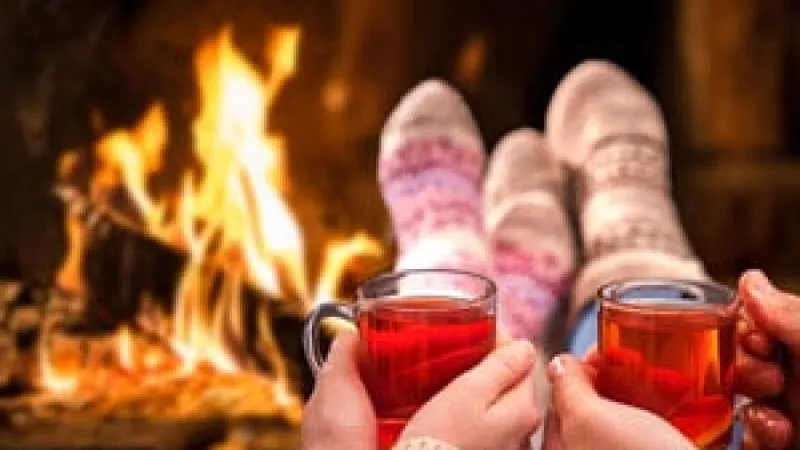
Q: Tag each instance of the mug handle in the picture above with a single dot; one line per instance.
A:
(311, 346)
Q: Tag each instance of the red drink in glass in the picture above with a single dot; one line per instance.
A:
(418, 330)
(672, 356)
(412, 347)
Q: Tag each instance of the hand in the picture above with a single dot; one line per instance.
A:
(581, 419)
(339, 414)
(492, 406)
(770, 319)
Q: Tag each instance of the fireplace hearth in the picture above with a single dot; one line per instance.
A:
(119, 401)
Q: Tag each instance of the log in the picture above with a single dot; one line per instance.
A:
(123, 266)
(151, 434)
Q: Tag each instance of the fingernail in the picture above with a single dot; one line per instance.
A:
(743, 407)
(556, 366)
(758, 343)
(742, 327)
(758, 284)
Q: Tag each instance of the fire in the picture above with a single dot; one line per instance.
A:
(68, 275)
(229, 217)
(337, 256)
(54, 379)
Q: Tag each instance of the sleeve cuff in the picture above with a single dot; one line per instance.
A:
(423, 443)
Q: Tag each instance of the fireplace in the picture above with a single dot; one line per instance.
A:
(200, 206)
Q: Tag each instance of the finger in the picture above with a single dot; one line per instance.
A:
(757, 378)
(749, 441)
(504, 337)
(591, 363)
(591, 372)
(775, 312)
(339, 381)
(498, 372)
(552, 432)
(759, 344)
(340, 400)
(571, 386)
(751, 338)
(518, 406)
(592, 356)
(768, 428)
(793, 397)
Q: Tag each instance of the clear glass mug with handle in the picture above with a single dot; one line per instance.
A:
(669, 346)
(418, 330)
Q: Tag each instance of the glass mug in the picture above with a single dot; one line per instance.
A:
(668, 346)
(418, 330)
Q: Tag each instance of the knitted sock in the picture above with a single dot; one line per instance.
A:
(609, 129)
(429, 170)
(529, 232)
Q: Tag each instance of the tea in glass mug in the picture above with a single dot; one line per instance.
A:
(418, 330)
(668, 346)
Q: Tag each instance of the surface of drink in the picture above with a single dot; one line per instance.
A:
(675, 362)
(410, 348)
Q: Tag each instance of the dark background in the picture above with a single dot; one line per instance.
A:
(726, 72)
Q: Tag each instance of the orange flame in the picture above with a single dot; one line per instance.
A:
(68, 276)
(230, 217)
(337, 257)
(129, 158)
(54, 379)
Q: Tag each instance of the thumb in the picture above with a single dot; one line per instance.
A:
(339, 409)
(774, 311)
(498, 372)
(572, 387)
(340, 364)
(340, 395)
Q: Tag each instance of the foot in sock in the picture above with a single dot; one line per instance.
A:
(529, 232)
(429, 170)
(607, 127)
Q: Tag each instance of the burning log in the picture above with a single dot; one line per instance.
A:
(24, 309)
(75, 332)
(122, 265)
(131, 280)
(131, 277)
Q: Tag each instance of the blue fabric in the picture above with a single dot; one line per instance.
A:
(584, 336)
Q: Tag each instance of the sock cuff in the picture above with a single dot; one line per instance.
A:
(448, 248)
(631, 264)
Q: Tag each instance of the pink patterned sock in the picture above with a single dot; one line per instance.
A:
(429, 170)
(529, 231)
